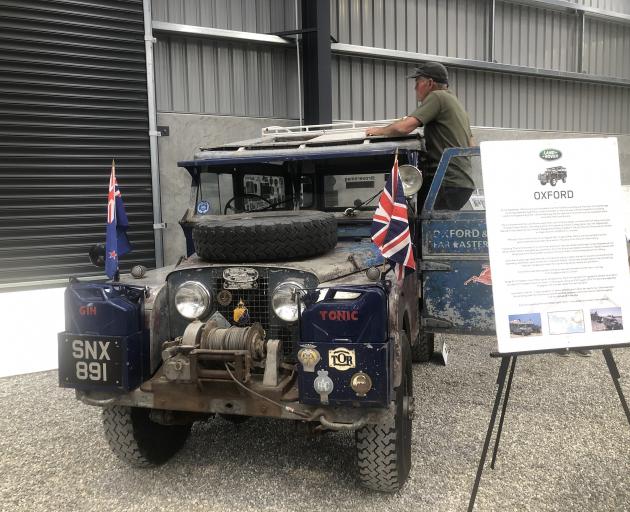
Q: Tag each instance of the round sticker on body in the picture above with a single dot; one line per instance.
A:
(203, 207)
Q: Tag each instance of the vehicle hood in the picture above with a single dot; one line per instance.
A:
(348, 257)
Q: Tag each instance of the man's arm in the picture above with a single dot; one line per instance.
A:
(401, 127)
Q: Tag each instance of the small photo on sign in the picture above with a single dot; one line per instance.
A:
(606, 319)
(527, 324)
(566, 322)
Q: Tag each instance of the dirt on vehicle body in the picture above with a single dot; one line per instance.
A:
(282, 307)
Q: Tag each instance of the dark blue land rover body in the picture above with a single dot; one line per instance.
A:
(282, 306)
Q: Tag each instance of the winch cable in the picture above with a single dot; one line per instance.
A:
(282, 406)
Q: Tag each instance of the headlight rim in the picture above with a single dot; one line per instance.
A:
(300, 287)
(205, 293)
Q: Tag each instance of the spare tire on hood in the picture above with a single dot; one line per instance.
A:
(265, 236)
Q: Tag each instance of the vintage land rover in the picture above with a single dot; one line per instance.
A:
(553, 175)
(282, 306)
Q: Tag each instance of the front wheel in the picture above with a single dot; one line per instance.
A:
(422, 351)
(137, 440)
(553, 182)
(384, 450)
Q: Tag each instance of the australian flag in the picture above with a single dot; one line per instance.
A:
(116, 242)
(390, 226)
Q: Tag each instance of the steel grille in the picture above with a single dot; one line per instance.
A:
(256, 300)
(258, 303)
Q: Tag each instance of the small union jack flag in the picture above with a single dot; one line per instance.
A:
(390, 225)
(116, 241)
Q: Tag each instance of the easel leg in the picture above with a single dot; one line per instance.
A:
(614, 373)
(505, 361)
(502, 417)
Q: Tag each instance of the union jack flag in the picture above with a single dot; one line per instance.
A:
(390, 225)
(116, 241)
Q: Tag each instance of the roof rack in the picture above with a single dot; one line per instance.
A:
(324, 128)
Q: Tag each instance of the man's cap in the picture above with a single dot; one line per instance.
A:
(433, 70)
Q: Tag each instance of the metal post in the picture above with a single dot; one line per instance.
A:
(153, 135)
(503, 369)
(316, 74)
(297, 55)
(491, 21)
(579, 53)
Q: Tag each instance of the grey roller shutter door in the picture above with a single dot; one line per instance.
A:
(73, 95)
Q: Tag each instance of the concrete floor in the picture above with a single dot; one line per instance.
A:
(565, 446)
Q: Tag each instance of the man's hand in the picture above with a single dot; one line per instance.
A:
(401, 127)
(375, 130)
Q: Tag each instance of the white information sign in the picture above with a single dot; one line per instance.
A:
(556, 240)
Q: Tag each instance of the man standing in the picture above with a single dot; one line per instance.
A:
(446, 125)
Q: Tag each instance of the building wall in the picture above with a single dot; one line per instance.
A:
(206, 76)
(622, 6)
(377, 89)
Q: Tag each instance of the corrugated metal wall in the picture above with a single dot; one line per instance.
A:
(621, 6)
(376, 89)
(525, 36)
(452, 28)
(607, 48)
(189, 79)
(73, 96)
(262, 16)
(212, 77)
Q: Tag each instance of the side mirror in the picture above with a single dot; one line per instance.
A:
(97, 255)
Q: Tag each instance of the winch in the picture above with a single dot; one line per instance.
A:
(206, 351)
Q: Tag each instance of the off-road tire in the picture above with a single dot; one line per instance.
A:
(553, 182)
(564, 180)
(137, 440)
(265, 236)
(235, 419)
(384, 450)
(422, 351)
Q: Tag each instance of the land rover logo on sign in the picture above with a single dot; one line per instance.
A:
(341, 359)
(550, 154)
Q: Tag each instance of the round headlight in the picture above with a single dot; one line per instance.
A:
(284, 301)
(411, 178)
(192, 300)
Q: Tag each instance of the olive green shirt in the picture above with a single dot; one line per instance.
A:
(446, 125)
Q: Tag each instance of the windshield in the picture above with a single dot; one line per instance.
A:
(228, 193)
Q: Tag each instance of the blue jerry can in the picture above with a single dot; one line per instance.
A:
(104, 346)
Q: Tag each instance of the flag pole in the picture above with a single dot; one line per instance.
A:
(385, 259)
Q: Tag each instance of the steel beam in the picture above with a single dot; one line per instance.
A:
(492, 11)
(178, 29)
(579, 51)
(564, 5)
(382, 53)
(316, 72)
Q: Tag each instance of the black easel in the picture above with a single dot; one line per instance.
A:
(503, 371)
